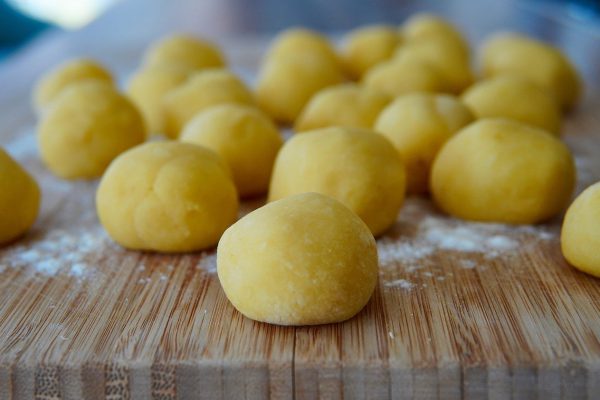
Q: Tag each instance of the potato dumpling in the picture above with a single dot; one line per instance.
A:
(427, 26)
(167, 197)
(86, 127)
(517, 98)
(355, 166)
(503, 171)
(19, 199)
(368, 46)
(244, 137)
(202, 90)
(580, 236)
(342, 105)
(543, 64)
(302, 260)
(184, 51)
(418, 125)
(301, 42)
(59, 78)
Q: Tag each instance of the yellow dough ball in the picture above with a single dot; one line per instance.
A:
(580, 236)
(515, 98)
(368, 46)
(301, 42)
(61, 77)
(202, 90)
(87, 126)
(186, 52)
(418, 125)
(244, 137)
(303, 260)
(540, 62)
(147, 88)
(348, 105)
(504, 171)
(19, 199)
(427, 26)
(167, 197)
(355, 166)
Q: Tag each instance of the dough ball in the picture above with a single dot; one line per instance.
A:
(244, 137)
(503, 171)
(540, 62)
(342, 105)
(303, 260)
(368, 46)
(355, 166)
(73, 71)
(19, 199)
(87, 126)
(202, 90)
(186, 52)
(301, 42)
(515, 98)
(167, 197)
(147, 88)
(418, 125)
(580, 236)
(427, 26)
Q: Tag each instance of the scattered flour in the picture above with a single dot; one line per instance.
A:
(208, 262)
(401, 283)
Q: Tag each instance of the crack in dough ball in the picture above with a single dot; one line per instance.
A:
(302, 260)
(368, 46)
(186, 52)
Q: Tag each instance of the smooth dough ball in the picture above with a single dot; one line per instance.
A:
(355, 166)
(503, 171)
(301, 42)
(87, 126)
(303, 260)
(517, 98)
(418, 125)
(244, 137)
(580, 236)
(73, 71)
(19, 199)
(186, 52)
(348, 105)
(540, 62)
(202, 90)
(167, 197)
(368, 46)
(427, 26)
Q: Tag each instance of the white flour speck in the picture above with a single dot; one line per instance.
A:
(401, 283)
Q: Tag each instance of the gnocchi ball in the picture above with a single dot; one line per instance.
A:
(202, 90)
(147, 88)
(87, 126)
(368, 46)
(517, 98)
(503, 171)
(427, 26)
(186, 52)
(167, 197)
(580, 236)
(302, 260)
(244, 137)
(301, 42)
(418, 125)
(19, 199)
(343, 105)
(540, 62)
(73, 71)
(355, 166)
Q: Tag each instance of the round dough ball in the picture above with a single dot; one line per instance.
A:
(87, 126)
(503, 171)
(73, 71)
(301, 42)
(303, 260)
(19, 199)
(167, 197)
(580, 236)
(244, 137)
(202, 90)
(348, 105)
(355, 166)
(186, 52)
(515, 98)
(427, 26)
(418, 125)
(540, 62)
(368, 46)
